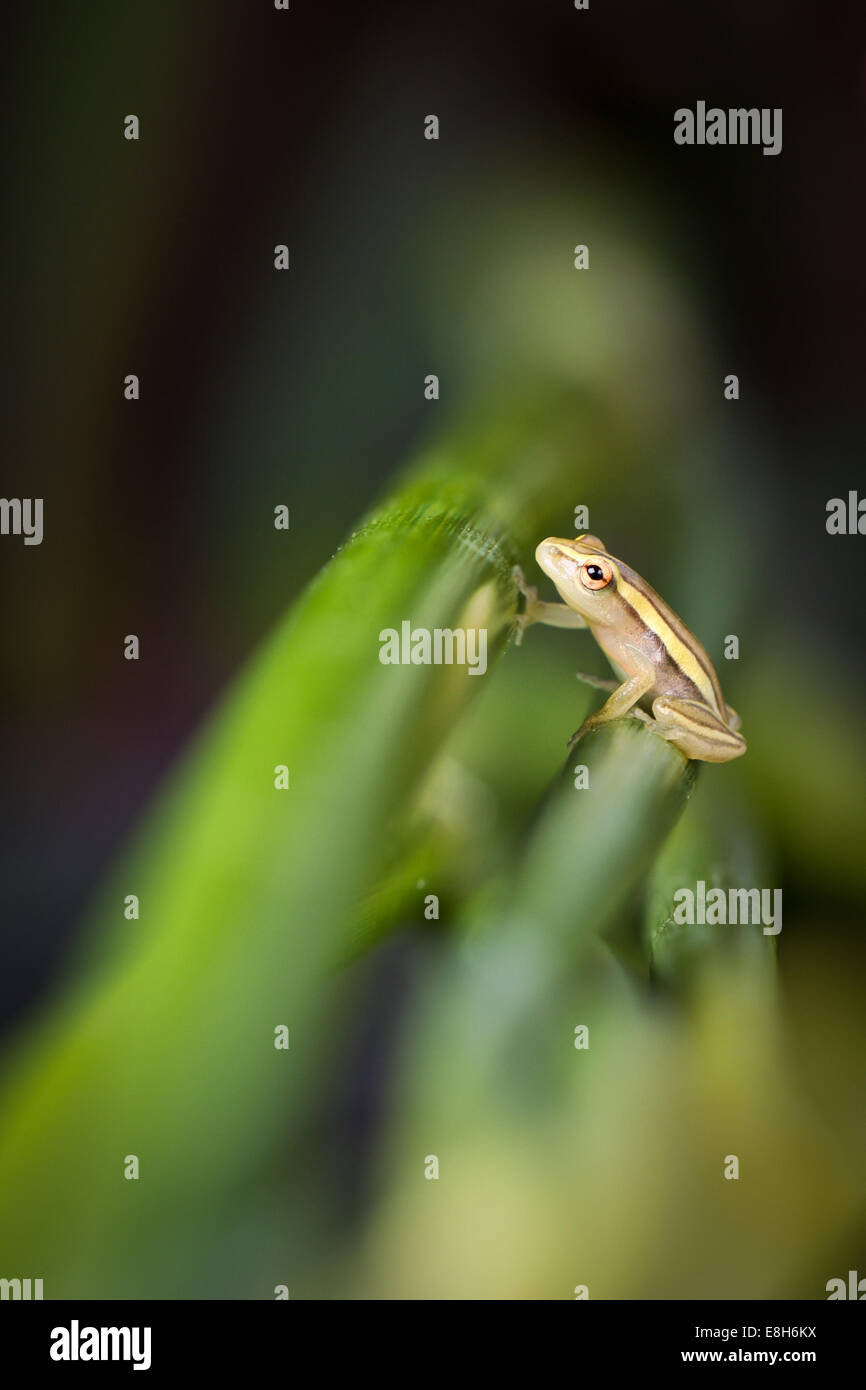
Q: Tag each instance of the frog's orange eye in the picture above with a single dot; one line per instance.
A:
(596, 574)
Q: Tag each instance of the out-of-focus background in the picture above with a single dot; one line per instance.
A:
(410, 257)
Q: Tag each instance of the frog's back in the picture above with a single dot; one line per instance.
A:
(683, 666)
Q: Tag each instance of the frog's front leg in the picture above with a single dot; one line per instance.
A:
(625, 696)
(696, 730)
(537, 611)
(597, 682)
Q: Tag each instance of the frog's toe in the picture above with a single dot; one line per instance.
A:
(529, 591)
(590, 722)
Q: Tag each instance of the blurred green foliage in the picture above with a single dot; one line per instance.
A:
(558, 1166)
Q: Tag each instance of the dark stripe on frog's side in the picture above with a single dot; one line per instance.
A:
(683, 654)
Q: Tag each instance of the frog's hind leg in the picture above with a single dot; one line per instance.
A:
(696, 730)
(637, 713)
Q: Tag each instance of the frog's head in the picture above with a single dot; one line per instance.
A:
(585, 575)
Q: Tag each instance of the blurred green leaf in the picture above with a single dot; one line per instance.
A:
(162, 1044)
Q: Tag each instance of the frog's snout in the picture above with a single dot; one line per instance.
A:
(549, 554)
(544, 551)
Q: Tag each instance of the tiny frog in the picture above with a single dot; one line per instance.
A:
(665, 676)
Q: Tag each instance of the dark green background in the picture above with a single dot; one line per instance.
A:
(411, 257)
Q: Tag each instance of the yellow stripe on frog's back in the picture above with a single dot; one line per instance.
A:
(683, 648)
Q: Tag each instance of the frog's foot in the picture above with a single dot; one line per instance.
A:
(589, 723)
(531, 607)
(528, 591)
